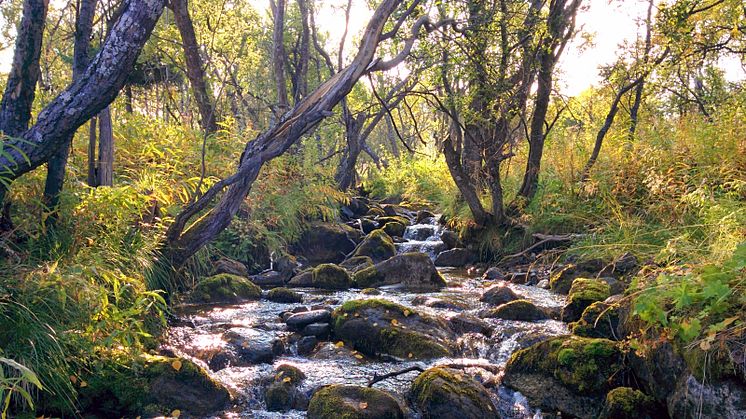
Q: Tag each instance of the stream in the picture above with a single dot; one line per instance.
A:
(199, 331)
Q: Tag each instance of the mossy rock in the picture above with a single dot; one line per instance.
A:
(599, 320)
(394, 229)
(375, 212)
(583, 293)
(522, 310)
(628, 403)
(225, 288)
(357, 263)
(561, 281)
(570, 374)
(353, 402)
(393, 219)
(326, 242)
(282, 394)
(376, 326)
(415, 271)
(377, 245)
(331, 277)
(448, 393)
(151, 385)
(370, 291)
(499, 294)
(284, 295)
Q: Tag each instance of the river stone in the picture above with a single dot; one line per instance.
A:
(376, 211)
(284, 295)
(423, 216)
(377, 245)
(226, 265)
(450, 239)
(521, 310)
(269, 279)
(448, 393)
(326, 243)
(253, 346)
(715, 399)
(319, 330)
(325, 276)
(357, 263)
(455, 257)
(282, 394)
(628, 403)
(306, 345)
(569, 374)
(583, 293)
(367, 225)
(599, 320)
(414, 271)
(340, 401)
(499, 294)
(394, 229)
(389, 210)
(493, 274)
(466, 323)
(225, 288)
(300, 320)
(378, 326)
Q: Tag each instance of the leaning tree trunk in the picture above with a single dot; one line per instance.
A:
(194, 66)
(20, 89)
(58, 162)
(84, 98)
(183, 242)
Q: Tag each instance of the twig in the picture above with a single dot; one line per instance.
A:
(378, 378)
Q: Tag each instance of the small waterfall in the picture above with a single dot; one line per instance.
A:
(423, 238)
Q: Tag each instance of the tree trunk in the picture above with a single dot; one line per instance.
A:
(278, 56)
(105, 172)
(128, 99)
(301, 76)
(183, 243)
(194, 66)
(92, 141)
(635, 109)
(57, 164)
(346, 175)
(84, 98)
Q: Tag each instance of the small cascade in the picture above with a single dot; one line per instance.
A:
(423, 238)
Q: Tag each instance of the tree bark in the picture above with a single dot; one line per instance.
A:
(92, 141)
(278, 56)
(84, 98)
(561, 24)
(182, 243)
(301, 73)
(105, 171)
(635, 109)
(57, 164)
(194, 66)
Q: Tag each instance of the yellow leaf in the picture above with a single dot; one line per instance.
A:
(394, 322)
(410, 355)
(406, 313)
(286, 380)
(363, 405)
(358, 356)
(176, 365)
(176, 413)
(73, 379)
(339, 344)
(705, 345)
(83, 384)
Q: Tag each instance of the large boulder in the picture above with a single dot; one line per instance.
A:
(377, 326)
(250, 346)
(325, 276)
(455, 257)
(569, 374)
(377, 245)
(450, 239)
(522, 310)
(600, 320)
(583, 293)
(394, 228)
(225, 288)
(357, 263)
(415, 271)
(151, 386)
(443, 392)
(340, 401)
(624, 265)
(226, 265)
(499, 294)
(712, 399)
(284, 295)
(326, 243)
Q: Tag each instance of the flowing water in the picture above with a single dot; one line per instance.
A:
(199, 333)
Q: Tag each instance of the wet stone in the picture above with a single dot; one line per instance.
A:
(306, 345)
(301, 320)
(319, 330)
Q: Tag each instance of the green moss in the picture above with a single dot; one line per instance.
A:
(353, 402)
(367, 277)
(393, 219)
(439, 387)
(225, 288)
(357, 263)
(376, 212)
(288, 371)
(284, 295)
(522, 310)
(386, 334)
(393, 228)
(627, 403)
(599, 320)
(331, 277)
(278, 396)
(585, 365)
(377, 245)
(583, 293)
(370, 291)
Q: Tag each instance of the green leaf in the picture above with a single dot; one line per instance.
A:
(689, 330)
